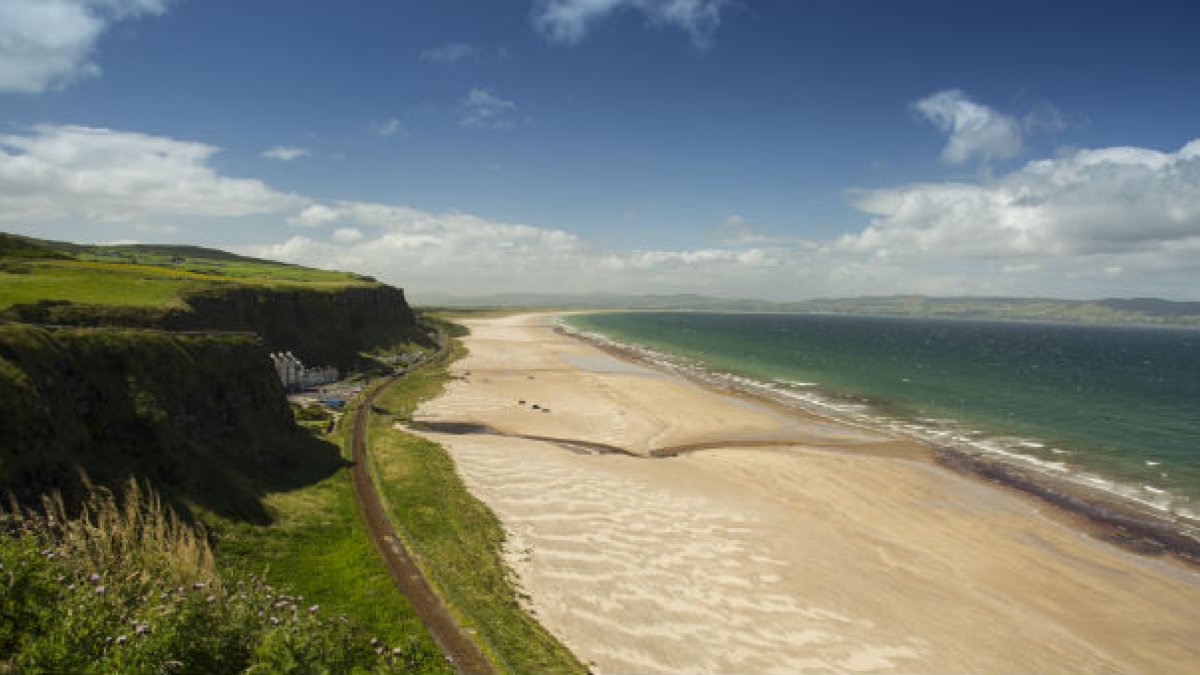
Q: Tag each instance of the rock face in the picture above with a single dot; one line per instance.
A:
(185, 398)
(319, 326)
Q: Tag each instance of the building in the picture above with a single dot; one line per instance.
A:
(295, 376)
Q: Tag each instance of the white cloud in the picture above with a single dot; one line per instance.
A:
(346, 235)
(285, 153)
(391, 127)
(49, 44)
(1108, 204)
(1108, 221)
(1111, 221)
(452, 53)
(58, 172)
(315, 215)
(973, 130)
(483, 108)
(568, 21)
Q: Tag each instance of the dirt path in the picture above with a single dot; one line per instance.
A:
(459, 649)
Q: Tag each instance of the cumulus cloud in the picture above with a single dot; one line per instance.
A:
(346, 235)
(58, 172)
(1104, 203)
(1108, 221)
(285, 153)
(973, 130)
(483, 108)
(315, 215)
(452, 53)
(568, 21)
(49, 44)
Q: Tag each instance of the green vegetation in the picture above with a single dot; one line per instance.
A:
(129, 588)
(32, 271)
(148, 366)
(454, 537)
(201, 417)
(317, 544)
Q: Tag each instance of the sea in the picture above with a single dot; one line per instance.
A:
(1114, 409)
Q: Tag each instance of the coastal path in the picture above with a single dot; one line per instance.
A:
(463, 654)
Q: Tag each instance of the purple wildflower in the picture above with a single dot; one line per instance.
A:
(94, 578)
(99, 590)
(274, 621)
(313, 609)
(121, 639)
(210, 599)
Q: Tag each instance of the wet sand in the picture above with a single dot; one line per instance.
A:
(789, 544)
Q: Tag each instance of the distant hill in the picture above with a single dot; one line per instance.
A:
(1104, 311)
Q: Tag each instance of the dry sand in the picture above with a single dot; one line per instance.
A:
(827, 552)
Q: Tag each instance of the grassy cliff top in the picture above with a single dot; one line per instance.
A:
(142, 275)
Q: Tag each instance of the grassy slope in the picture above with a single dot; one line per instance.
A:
(455, 537)
(155, 276)
(318, 547)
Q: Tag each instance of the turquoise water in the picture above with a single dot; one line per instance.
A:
(1117, 407)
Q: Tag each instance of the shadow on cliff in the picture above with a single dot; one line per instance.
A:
(201, 418)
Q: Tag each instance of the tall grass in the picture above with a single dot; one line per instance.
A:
(126, 587)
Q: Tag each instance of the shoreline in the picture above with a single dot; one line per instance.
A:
(1108, 516)
(789, 544)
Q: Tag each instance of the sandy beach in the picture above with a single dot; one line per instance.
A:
(789, 544)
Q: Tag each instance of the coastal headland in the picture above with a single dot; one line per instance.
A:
(789, 543)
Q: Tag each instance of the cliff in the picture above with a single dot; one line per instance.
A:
(327, 327)
(203, 418)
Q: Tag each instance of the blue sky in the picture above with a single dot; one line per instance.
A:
(778, 149)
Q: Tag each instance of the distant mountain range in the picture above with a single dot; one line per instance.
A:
(1105, 311)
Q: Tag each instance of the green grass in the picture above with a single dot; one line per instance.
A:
(126, 587)
(92, 284)
(455, 538)
(318, 547)
(144, 276)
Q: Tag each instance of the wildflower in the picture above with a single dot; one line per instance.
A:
(142, 629)
(210, 599)
(274, 621)
(374, 642)
(71, 587)
(121, 639)
(397, 651)
(94, 578)
(198, 585)
(313, 609)
(99, 590)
